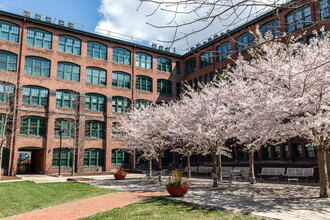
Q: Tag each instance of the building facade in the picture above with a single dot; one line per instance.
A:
(68, 87)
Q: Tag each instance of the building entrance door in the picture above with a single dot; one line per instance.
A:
(24, 161)
(30, 160)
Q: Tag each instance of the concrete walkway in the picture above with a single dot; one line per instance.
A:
(86, 207)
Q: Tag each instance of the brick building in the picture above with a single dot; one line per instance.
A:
(66, 80)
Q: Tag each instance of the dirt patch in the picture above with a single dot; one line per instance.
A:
(4, 178)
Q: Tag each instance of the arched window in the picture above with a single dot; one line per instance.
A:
(39, 38)
(95, 129)
(68, 71)
(8, 61)
(95, 102)
(96, 75)
(6, 92)
(69, 44)
(9, 31)
(119, 157)
(298, 18)
(120, 55)
(96, 50)
(190, 65)
(164, 64)
(120, 104)
(164, 87)
(93, 158)
(34, 95)
(37, 66)
(205, 59)
(244, 42)
(66, 157)
(143, 60)
(66, 99)
(144, 83)
(64, 125)
(33, 126)
(223, 51)
(121, 80)
(272, 26)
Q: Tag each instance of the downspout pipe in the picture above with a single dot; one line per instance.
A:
(18, 85)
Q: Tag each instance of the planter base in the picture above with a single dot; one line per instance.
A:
(177, 191)
(120, 176)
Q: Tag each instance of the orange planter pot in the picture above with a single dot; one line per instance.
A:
(120, 176)
(177, 191)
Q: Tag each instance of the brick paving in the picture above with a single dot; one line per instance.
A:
(87, 207)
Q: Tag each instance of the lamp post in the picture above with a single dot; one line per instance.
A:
(59, 165)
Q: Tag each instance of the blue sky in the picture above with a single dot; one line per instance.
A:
(78, 11)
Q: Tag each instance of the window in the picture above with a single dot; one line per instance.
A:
(121, 80)
(298, 18)
(6, 92)
(66, 126)
(8, 61)
(33, 95)
(178, 89)
(115, 130)
(33, 126)
(66, 157)
(39, 38)
(286, 153)
(66, 99)
(211, 76)
(121, 55)
(142, 103)
(298, 151)
(143, 60)
(120, 104)
(178, 67)
(267, 155)
(69, 44)
(68, 71)
(195, 84)
(164, 65)
(164, 87)
(144, 83)
(95, 129)
(95, 102)
(324, 6)
(272, 27)
(244, 42)
(94, 158)
(309, 151)
(223, 51)
(206, 78)
(96, 76)
(37, 66)
(9, 31)
(96, 50)
(190, 65)
(119, 157)
(205, 59)
(277, 152)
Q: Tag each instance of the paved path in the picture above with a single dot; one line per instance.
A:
(87, 207)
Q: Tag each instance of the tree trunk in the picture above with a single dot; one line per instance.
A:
(150, 167)
(160, 169)
(219, 168)
(251, 162)
(1, 153)
(73, 161)
(328, 163)
(188, 166)
(323, 173)
(214, 171)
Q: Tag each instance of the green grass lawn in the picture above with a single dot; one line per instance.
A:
(25, 196)
(162, 208)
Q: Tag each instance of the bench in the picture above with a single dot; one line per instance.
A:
(225, 171)
(293, 174)
(272, 171)
(204, 170)
(192, 169)
(244, 172)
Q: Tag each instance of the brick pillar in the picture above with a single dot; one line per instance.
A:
(81, 134)
(108, 137)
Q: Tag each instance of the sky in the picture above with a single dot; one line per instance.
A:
(124, 17)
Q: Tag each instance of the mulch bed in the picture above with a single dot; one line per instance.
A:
(3, 178)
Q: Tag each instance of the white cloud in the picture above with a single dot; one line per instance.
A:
(122, 16)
